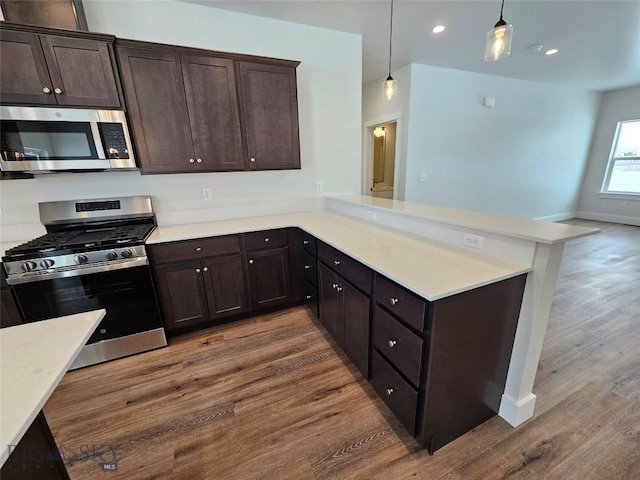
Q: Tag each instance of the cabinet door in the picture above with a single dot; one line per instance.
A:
(182, 294)
(224, 281)
(81, 72)
(210, 89)
(154, 92)
(269, 277)
(9, 313)
(355, 326)
(270, 116)
(329, 300)
(23, 70)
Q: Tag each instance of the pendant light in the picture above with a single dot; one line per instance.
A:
(498, 40)
(389, 86)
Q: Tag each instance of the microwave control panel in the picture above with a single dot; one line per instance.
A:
(113, 140)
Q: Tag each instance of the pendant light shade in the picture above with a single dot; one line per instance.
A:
(389, 86)
(498, 40)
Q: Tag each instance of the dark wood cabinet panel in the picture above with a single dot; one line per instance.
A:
(182, 295)
(9, 312)
(23, 70)
(357, 273)
(213, 112)
(329, 300)
(154, 90)
(406, 306)
(194, 249)
(355, 326)
(265, 239)
(81, 72)
(269, 277)
(270, 115)
(225, 286)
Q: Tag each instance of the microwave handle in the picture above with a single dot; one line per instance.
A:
(97, 141)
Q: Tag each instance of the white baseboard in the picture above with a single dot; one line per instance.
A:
(557, 218)
(517, 412)
(605, 217)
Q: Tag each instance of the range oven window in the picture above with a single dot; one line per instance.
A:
(127, 295)
(23, 140)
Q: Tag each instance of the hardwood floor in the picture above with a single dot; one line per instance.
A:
(271, 398)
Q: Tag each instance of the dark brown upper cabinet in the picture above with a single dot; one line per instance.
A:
(38, 68)
(268, 96)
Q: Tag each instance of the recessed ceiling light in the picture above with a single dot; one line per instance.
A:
(551, 51)
(438, 29)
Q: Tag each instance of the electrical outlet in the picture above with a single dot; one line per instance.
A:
(473, 241)
(318, 187)
(206, 194)
(623, 204)
(423, 177)
(372, 215)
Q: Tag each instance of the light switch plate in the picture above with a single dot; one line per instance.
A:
(423, 177)
(206, 194)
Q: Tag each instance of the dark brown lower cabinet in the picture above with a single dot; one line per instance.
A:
(9, 311)
(36, 456)
(344, 311)
(225, 286)
(269, 277)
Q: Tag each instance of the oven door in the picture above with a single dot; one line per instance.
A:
(127, 295)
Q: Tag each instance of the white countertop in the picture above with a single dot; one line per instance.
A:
(34, 358)
(430, 269)
(516, 227)
(4, 246)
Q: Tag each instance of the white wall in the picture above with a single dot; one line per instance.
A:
(617, 105)
(329, 103)
(524, 157)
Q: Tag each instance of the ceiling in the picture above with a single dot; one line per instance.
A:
(598, 41)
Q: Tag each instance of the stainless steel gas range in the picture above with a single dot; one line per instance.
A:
(92, 257)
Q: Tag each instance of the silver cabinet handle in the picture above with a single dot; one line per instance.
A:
(336, 262)
(197, 270)
(334, 285)
(392, 343)
(198, 249)
(309, 297)
(266, 239)
(307, 267)
(46, 89)
(58, 91)
(339, 289)
(252, 160)
(305, 242)
(251, 261)
(389, 391)
(191, 160)
(205, 269)
(199, 160)
(394, 301)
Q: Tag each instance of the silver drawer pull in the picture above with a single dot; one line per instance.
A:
(205, 269)
(392, 343)
(339, 289)
(198, 249)
(46, 89)
(334, 285)
(266, 239)
(191, 160)
(57, 90)
(251, 261)
(197, 270)
(336, 262)
(389, 391)
(309, 297)
(307, 267)
(252, 160)
(198, 160)
(394, 301)
(305, 242)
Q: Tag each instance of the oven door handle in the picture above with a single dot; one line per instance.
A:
(75, 272)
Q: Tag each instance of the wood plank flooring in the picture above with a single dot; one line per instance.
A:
(272, 398)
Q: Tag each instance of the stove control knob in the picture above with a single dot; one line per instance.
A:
(28, 266)
(81, 259)
(127, 253)
(112, 255)
(47, 263)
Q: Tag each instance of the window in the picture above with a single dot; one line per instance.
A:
(623, 171)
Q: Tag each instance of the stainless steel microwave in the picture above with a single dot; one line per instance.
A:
(41, 139)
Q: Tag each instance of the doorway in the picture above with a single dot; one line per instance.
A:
(384, 160)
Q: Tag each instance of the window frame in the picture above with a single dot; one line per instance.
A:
(604, 190)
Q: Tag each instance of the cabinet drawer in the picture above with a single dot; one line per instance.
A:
(308, 242)
(350, 269)
(311, 298)
(310, 268)
(194, 249)
(408, 307)
(400, 345)
(265, 239)
(399, 396)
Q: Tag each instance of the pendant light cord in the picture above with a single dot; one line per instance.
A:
(501, 8)
(391, 34)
